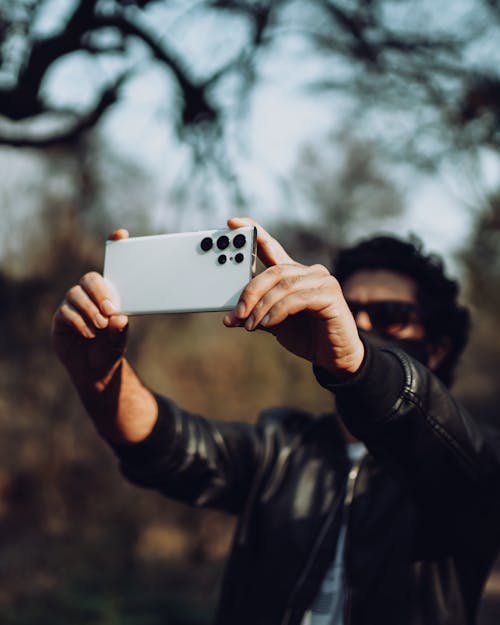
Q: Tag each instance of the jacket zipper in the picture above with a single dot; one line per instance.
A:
(347, 501)
(312, 558)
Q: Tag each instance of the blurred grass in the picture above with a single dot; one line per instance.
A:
(87, 602)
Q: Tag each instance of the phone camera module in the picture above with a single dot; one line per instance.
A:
(222, 259)
(239, 241)
(239, 257)
(206, 244)
(222, 242)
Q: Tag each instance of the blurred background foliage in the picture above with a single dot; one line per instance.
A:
(403, 82)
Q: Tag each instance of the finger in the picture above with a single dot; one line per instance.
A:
(116, 235)
(68, 316)
(263, 283)
(230, 321)
(81, 302)
(269, 250)
(98, 291)
(312, 300)
(118, 324)
(283, 289)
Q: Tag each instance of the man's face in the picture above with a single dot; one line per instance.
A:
(384, 302)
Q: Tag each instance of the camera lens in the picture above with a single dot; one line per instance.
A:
(239, 240)
(221, 259)
(239, 257)
(206, 244)
(222, 242)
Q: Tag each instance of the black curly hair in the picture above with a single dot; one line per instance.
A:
(442, 316)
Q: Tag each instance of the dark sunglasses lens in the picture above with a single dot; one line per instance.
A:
(390, 315)
(386, 316)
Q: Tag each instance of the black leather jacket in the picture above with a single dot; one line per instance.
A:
(422, 513)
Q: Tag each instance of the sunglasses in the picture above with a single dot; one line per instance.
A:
(387, 316)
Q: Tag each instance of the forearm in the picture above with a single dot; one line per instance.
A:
(415, 428)
(122, 408)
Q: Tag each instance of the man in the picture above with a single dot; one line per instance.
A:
(386, 513)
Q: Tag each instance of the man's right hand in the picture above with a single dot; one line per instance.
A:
(90, 338)
(88, 335)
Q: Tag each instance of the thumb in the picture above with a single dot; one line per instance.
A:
(116, 235)
(269, 250)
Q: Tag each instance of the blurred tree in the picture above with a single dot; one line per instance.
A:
(481, 261)
(352, 195)
(482, 257)
(66, 522)
(429, 75)
(81, 192)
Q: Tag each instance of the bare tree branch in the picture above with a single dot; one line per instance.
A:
(24, 99)
(383, 62)
(68, 133)
(195, 105)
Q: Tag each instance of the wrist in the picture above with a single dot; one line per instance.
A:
(370, 394)
(123, 410)
(333, 380)
(93, 390)
(346, 364)
(102, 384)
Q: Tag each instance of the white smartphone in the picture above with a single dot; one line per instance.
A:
(183, 272)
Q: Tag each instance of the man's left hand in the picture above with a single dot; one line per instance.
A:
(303, 306)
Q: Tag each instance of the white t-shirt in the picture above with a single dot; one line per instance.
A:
(328, 606)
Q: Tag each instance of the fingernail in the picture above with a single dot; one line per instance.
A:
(249, 323)
(108, 307)
(227, 320)
(88, 334)
(240, 310)
(100, 321)
(265, 321)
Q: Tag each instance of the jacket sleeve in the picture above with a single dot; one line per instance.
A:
(415, 428)
(193, 459)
